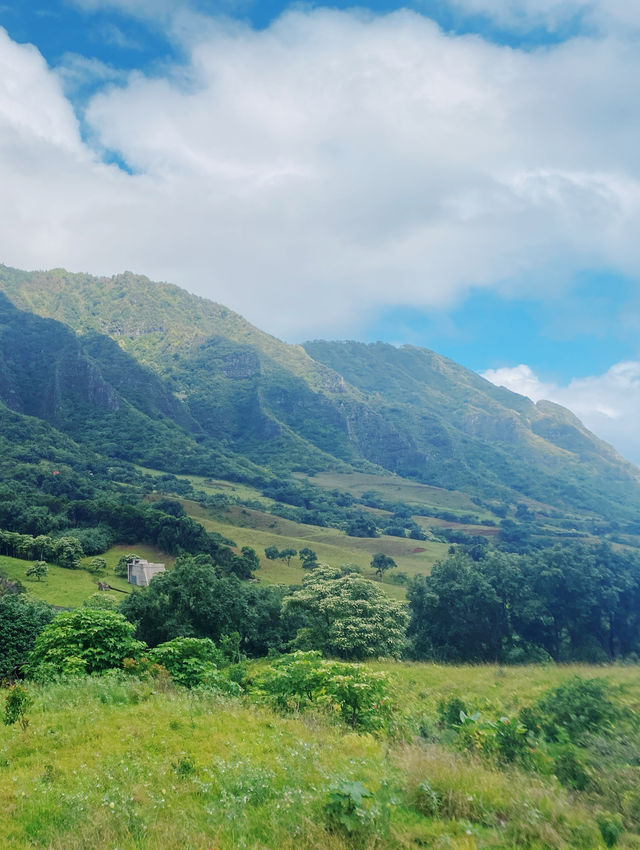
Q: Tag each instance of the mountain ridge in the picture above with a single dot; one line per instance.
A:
(221, 386)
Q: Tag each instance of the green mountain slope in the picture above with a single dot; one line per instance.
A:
(213, 395)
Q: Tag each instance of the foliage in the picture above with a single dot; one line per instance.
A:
(16, 704)
(506, 739)
(193, 661)
(302, 679)
(121, 569)
(381, 563)
(577, 707)
(195, 599)
(86, 640)
(347, 616)
(39, 570)
(350, 808)
(97, 566)
(21, 621)
(565, 603)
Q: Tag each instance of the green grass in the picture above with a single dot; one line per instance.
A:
(393, 488)
(215, 486)
(247, 527)
(69, 588)
(115, 763)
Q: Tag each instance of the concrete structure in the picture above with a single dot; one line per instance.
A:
(140, 572)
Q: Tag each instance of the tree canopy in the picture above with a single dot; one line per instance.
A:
(347, 616)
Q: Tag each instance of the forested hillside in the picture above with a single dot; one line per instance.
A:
(214, 395)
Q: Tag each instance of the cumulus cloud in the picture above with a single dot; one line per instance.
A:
(330, 165)
(608, 404)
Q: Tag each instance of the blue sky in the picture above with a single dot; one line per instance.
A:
(458, 174)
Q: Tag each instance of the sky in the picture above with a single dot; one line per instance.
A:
(462, 175)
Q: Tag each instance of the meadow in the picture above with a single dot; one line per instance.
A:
(114, 762)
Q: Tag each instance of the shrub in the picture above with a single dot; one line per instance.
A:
(21, 620)
(506, 739)
(16, 704)
(450, 711)
(610, 828)
(86, 640)
(304, 678)
(190, 661)
(577, 707)
(570, 769)
(426, 800)
(351, 809)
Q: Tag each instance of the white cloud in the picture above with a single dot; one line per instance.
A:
(608, 404)
(331, 165)
(619, 16)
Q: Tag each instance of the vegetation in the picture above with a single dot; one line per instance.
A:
(346, 616)
(249, 701)
(307, 778)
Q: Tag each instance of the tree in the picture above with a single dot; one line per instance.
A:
(122, 567)
(362, 526)
(309, 558)
(381, 563)
(346, 616)
(97, 566)
(272, 553)
(86, 640)
(195, 600)
(67, 552)
(244, 564)
(287, 555)
(21, 621)
(39, 570)
(456, 613)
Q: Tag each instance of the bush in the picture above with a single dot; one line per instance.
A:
(426, 800)
(86, 640)
(190, 661)
(21, 621)
(16, 704)
(577, 707)
(570, 769)
(304, 678)
(351, 809)
(505, 739)
(450, 711)
(610, 829)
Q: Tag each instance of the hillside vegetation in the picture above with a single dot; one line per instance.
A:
(137, 764)
(215, 396)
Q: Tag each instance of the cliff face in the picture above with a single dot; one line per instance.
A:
(139, 357)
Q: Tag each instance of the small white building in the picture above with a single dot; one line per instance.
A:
(140, 572)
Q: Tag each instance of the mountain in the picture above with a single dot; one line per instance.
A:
(149, 373)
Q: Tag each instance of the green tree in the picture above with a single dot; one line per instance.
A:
(68, 552)
(287, 555)
(85, 640)
(21, 621)
(272, 553)
(97, 566)
(347, 616)
(308, 557)
(381, 563)
(195, 600)
(122, 567)
(39, 570)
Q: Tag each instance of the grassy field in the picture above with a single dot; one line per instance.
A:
(215, 486)
(69, 588)
(247, 527)
(392, 488)
(114, 763)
